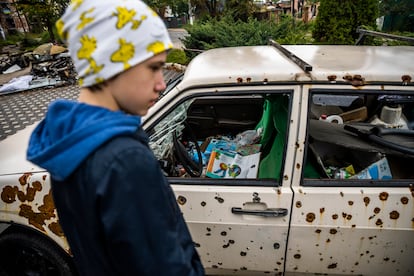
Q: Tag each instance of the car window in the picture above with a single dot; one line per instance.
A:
(360, 136)
(223, 137)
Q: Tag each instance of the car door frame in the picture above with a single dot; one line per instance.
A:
(348, 228)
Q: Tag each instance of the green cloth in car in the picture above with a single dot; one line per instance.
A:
(274, 128)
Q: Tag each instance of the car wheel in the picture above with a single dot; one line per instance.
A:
(28, 254)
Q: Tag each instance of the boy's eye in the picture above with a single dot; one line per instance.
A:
(155, 68)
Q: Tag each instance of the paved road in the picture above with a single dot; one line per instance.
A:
(175, 35)
(24, 108)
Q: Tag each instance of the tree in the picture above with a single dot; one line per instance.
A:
(240, 9)
(338, 20)
(45, 12)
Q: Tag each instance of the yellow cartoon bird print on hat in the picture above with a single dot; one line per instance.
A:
(76, 4)
(126, 16)
(125, 52)
(156, 47)
(60, 25)
(84, 19)
(86, 51)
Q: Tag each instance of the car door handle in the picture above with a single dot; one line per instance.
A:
(271, 212)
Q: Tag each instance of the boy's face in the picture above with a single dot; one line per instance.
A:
(138, 88)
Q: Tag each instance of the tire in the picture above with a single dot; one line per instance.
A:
(26, 254)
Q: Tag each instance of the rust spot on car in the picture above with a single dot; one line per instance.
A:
(377, 210)
(328, 240)
(203, 203)
(297, 256)
(406, 79)
(342, 194)
(276, 245)
(350, 203)
(378, 222)
(181, 200)
(239, 80)
(219, 199)
(30, 192)
(242, 253)
(285, 177)
(357, 80)
(332, 78)
(310, 217)
(318, 231)
(347, 77)
(349, 217)
(37, 219)
(353, 225)
(394, 215)
(265, 80)
(366, 200)
(344, 215)
(298, 204)
(333, 231)
(248, 79)
(386, 259)
(335, 216)
(383, 196)
(297, 166)
(231, 241)
(56, 229)
(223, 233)
(322, 210)
(44, 177)
(404, 200)
(332, 266)
(8, 194)
(279, 191)
(24, 178)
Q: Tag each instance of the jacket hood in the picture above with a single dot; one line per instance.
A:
(70, 131)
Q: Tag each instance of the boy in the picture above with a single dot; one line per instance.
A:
(116, 208)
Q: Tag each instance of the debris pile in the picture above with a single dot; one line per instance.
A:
(48, 65)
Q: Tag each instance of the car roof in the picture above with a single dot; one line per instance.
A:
(270, 64)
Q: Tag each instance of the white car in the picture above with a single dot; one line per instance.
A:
(289, 160)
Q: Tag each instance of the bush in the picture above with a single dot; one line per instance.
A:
(177, 56)
(226, 32)
(338, 20)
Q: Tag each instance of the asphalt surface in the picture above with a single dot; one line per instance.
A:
(18, 110)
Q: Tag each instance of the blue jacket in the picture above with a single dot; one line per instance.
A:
(115, 206)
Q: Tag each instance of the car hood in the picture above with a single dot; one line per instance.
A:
(13, 153)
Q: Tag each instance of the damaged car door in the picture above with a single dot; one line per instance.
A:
(352, 214)
(239, 222)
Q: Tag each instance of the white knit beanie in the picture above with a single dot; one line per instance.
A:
(106, 37)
